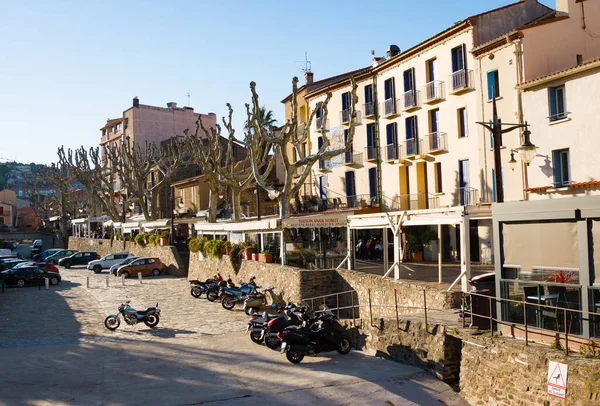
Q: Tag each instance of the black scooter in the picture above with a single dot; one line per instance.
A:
(294, 316)
(324, 335)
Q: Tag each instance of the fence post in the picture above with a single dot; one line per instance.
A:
(425, 306)
(491, 317)
(370, 308)
(123, 279)
(525, 322)
(351, 295)
(464, 306)
(140, 277)
(47, 283)
(396, 303)
(88, 282)
(566, 332)
(107, 281)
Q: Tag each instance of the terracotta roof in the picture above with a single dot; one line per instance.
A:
(323, 83)
(577, 185)
(591, 64)
(538, 189)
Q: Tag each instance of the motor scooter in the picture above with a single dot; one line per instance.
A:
(257, 303)
(231, 297)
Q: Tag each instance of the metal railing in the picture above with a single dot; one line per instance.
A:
(564, 318)
(434, 90)
(361, 201)
(435, 142)
(411, 99)
(461, 80)
(320, 123)
(411, 147)
(369, 109)
(353, 158)
(467, 196)
(325, 164)
(371, 153)
(417, 201)
(390, 107)
(345, 116)
(391, 152)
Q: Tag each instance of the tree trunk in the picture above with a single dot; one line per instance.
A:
(63, 225)
(284, 206)
(236, 197)
(212, 207)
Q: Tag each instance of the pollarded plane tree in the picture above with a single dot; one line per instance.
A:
(295, 134)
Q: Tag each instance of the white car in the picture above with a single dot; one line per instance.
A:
(107, 261)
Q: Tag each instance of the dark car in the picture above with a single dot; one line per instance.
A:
(80, 258)
(45, 254)
(57, 256)
(28, 275)
(42, 265)
(10, 263)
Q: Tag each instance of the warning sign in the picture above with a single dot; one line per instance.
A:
(557, 380)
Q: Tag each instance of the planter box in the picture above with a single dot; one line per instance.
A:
(254, 256)
(417, 256)
(247, 254)
(228, 250)
(267, 258)
(164, 241)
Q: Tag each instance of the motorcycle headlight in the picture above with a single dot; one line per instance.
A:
(265, 315)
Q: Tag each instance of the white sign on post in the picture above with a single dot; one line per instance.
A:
(557, 379)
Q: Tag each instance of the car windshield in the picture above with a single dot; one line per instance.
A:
(129, 260)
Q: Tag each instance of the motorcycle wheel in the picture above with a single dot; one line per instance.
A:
(250, 311)
(112, 323)
(152, 320)
(272, 342)
(212, 296)
(344, 346)
(196, 293)
(294, 357)
(256, 336)
(228, 302)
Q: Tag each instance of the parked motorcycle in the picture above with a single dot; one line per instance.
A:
(324, 335)
(294, 316)
(232, 297)
(257, 303)
(197, 288)
(149, 317)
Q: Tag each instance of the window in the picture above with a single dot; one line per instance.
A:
(462, 122)
(391, 141)
(369, 105)
(389, 89)
(371, 153)
(458, 58)
(1, 210)
(373, 183)
(560, 163)
(430, 67)
(557, 100)
(412, 136)
(346, 100)
(437, 166)
(493, 83)
(409, 80)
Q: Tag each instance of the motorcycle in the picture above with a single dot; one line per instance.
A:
(257, 303)
(294, 316)
(197, 288)
(231, 297)
(149, 317)
(324, 335)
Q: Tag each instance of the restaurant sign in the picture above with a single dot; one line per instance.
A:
(335, 220)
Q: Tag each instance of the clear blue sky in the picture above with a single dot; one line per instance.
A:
(67, 66)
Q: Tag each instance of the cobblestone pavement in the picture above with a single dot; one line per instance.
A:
(54, 349)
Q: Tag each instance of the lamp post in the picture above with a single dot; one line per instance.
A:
(527, 150)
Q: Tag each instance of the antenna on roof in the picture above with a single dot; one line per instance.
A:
(373, 52)
(306, 63)
(189, 97)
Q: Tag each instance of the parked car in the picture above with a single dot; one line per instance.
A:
(10, 263)
(113, 269)
(54, 258)
(37, 243)
(107, 261)
(44, 266)
(79, 258)
(145, 266)
(45, 254)
(28, 275)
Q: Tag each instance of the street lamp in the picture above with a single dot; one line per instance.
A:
(527, 150)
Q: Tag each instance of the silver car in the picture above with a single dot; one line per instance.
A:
(107, 261)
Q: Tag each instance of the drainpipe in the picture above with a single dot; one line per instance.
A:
(377, 149)
(485, 165)
(518, 56)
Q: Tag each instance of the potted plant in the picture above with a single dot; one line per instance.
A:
(164, 238)
(415, 247)
(248, 250)
(265, 256)
(255, 256)
(228, 247)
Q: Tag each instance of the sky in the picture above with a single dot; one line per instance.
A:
(68, 66)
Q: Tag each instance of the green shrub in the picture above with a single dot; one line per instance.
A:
(227, 244)
(165, 234)
(236, 256)
(266, 252)
(428, 236)
(140, 240)
(195, 245)
(414, 243)
(212, 248)
(155, 239)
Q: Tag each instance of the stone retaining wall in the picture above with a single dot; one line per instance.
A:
(506, 372)
(167, 254)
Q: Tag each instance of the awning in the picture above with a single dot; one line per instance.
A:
(108, 223)
(79, 221)
(131, 226)
(54, 218)
(156, 224)
(320, 220)
(256, 225)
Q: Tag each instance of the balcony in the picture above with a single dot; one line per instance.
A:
(369, 109)
(391, 152)
(467, 196)
(434, 91)
(461, 81)
(416, 201)
(320, 123)
(325, 165)
(390, 108)
(411, 100)
(345, 117)
(410, 148)
(352, 158)
(435, 142)
(371, 154)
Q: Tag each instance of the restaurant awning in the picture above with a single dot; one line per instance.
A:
(316, 221)
(156, 224)
(248, 226)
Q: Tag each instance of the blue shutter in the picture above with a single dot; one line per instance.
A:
(552, 103)
(490, 83)
(493, 185)
(556, 168)
(372, 182)
(408, 125)
(455, 60)
(320, 142)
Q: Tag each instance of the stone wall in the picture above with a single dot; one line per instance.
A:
(167, 254)
(503, 371)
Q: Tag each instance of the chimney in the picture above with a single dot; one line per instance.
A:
(308, 77)
(136, 102)
(171, 105)
(393, 50)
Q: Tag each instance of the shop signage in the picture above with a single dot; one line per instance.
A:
(337, 220)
